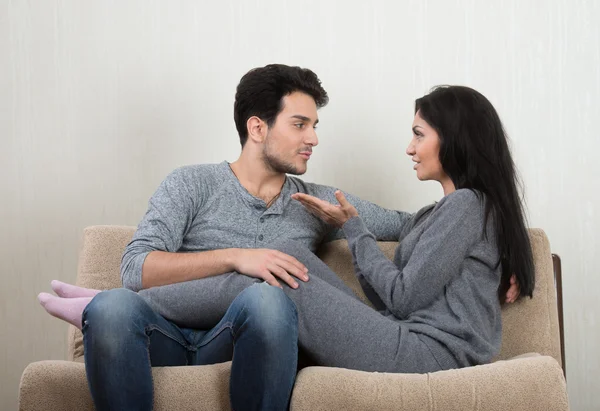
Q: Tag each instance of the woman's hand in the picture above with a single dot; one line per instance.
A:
(335, 215)
(514, 290)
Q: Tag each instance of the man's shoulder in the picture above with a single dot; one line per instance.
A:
(200, 168)
(314, 189)
(197, 173)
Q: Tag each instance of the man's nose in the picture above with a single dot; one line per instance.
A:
(312, 138)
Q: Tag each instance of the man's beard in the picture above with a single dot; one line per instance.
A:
(276, 164)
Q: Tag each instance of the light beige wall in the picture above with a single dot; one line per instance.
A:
(99, 100)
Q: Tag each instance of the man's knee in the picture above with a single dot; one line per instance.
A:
(269, 311)
(113, 321)
(113, 309)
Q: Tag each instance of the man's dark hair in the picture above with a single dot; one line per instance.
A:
(261, 91)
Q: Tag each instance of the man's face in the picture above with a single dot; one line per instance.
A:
(289, 142)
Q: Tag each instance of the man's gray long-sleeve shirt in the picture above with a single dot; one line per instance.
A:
(204, 207)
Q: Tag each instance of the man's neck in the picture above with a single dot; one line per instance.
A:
(257, 179)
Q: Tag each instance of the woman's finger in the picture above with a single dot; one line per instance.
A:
(310, 206)
(341, 198)
(314, 208)
(304, 198)
(308, 199)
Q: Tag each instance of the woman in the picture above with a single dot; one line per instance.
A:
(438, 300)
(437, 304)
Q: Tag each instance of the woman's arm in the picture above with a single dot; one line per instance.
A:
(450, 232)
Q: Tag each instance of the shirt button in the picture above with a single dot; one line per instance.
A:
(262, 220)
(260, 237)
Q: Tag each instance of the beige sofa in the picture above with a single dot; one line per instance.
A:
(517, 380)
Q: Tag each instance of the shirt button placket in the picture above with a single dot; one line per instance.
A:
(260, 236)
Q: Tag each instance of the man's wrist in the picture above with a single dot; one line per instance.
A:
(230, 257)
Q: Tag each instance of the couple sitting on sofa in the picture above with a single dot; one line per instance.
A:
(221, 267)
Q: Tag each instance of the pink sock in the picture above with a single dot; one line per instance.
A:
(71, 291)
(67, 309)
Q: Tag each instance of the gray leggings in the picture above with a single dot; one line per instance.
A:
(334, 327)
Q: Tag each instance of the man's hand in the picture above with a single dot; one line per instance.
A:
(335, 215)
(513, 291)
(269, 265)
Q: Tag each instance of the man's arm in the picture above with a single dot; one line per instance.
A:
(163, 227)
(161, 268)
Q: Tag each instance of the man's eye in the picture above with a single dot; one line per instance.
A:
(299, 125)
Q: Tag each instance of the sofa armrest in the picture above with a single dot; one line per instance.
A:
(62, 386)
(54, 386)
(527, 384)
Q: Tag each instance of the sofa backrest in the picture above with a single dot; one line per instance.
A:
(529, 325)
(99, 267)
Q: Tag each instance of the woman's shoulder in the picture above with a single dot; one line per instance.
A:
(466, 202)
(464, 195)
(464, 205)
(465, 199)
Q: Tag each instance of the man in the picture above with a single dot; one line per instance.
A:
(200, 273)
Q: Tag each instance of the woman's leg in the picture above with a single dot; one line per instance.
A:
(71, 291)
(338, 330)
(202, 303)
(198, 304)
(66, 309)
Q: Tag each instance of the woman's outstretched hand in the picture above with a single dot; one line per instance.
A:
(335, 215)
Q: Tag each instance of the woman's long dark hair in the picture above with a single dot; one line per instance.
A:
(474, 153)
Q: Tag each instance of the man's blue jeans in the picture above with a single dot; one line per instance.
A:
(124, 338)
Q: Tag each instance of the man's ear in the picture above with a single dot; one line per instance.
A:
(257, 129)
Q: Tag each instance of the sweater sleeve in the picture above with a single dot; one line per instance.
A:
(163, 227)
(383, 223)
(449, 233)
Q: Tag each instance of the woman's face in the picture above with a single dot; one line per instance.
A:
(424, 149)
